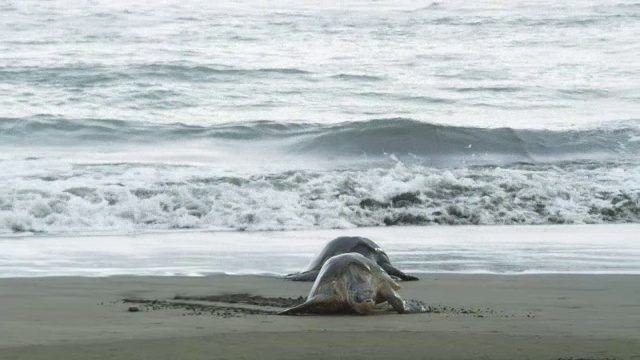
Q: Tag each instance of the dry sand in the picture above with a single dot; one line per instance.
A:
(475, 317)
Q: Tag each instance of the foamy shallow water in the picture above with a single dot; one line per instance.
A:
(589, 249)
(113, 198)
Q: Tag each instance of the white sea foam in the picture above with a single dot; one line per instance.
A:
(62, 198)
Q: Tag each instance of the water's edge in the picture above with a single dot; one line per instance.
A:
(508, 250)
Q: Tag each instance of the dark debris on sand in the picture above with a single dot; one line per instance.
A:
(414, 305)
(480, 313)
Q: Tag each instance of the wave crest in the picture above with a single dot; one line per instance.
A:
(376, 137)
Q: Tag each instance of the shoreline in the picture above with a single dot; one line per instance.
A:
(480, 316)
(610, 249)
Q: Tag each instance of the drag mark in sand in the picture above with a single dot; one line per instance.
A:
(239, 305)
(233, 305)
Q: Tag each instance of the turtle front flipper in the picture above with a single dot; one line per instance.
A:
(312, 305)
(391, 270)
(310, 275)
(392, 297)
(400, 305)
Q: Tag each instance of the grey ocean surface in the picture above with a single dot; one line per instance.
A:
(118, 118)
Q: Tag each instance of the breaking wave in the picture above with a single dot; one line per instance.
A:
(120, 198)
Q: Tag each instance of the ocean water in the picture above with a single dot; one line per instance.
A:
(189, 115)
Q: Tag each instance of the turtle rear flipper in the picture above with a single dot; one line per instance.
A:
(315, 304)
(310, 275)
(391, 270)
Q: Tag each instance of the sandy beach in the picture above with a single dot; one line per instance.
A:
(230, 317)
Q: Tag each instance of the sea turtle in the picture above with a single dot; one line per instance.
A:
(346, 244)
(350, 283)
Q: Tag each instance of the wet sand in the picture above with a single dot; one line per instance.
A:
(232, 317)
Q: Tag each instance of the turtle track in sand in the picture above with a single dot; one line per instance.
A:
(226, 305)
(243, 304)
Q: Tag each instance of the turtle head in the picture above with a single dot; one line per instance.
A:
(362, 299)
